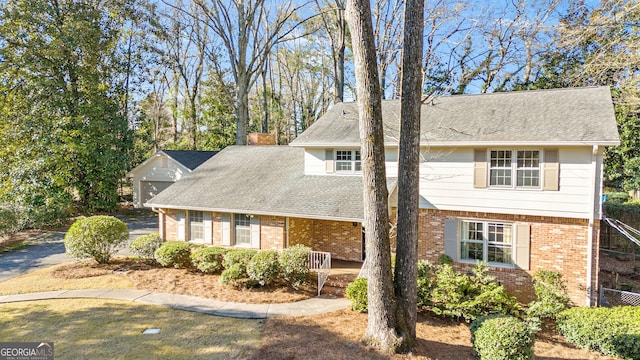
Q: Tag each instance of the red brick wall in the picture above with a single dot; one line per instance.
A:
(171, 225)
(342, 239)
(272, 232)
(558, 244)
(300, 231)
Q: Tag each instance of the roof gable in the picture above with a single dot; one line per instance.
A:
(187, 159)
(575, 116)
(264, 180)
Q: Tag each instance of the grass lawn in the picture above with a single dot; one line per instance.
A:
(108, 329)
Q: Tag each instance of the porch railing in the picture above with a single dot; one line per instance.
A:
(320, 262)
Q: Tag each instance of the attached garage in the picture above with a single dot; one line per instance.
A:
(149, 189)
(161, 170)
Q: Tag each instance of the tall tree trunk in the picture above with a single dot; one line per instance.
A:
(265, 99)
(382, 307)
(242, 111)
(406, 271)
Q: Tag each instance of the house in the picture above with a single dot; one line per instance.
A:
(513, 179)
(163, 169)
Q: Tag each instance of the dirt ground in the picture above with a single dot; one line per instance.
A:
(326, 336)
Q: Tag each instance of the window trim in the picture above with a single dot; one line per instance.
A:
(514, 169)
(190, 214)
(461, 238)
(354, 155)
(234, 232)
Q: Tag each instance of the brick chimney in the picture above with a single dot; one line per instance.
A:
(261, 139)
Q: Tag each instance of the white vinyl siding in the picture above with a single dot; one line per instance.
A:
(447, 183)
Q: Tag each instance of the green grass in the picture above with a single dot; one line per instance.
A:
(109, 329)
(13, 246)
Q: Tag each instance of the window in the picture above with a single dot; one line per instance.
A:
(525, 164)
(242, 229)
(348, 161)
(196, 225)
(486, 241)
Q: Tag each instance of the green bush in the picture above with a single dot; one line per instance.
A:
(612, 331)
(96, 237)
(145, 246)
(501, 338)
(264, 267)
(444, 259)
(8, 221)
(426, 283)
(208, 259)
(294, 264)
(175, 254)
(235, 267)
(551, 295)
(469, 296)
(357, 293)
(618, 197)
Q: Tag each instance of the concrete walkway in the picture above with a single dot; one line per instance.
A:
(192, 303)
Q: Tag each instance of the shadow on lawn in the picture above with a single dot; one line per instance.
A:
(93, 329)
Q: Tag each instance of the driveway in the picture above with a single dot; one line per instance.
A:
(48, 249)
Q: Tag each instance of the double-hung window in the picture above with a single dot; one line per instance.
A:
(486, 241)
(348, 161)
(196, 225)
(242, 229)
(514, 168)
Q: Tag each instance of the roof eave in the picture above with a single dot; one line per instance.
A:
(469, 143)
(255, 212)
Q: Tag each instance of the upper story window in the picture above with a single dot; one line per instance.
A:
(514, 168)
(348, 161)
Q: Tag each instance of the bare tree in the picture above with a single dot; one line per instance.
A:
(248, 32)
(332, 15)
(406, 271)
(382, 317)
(387, 31)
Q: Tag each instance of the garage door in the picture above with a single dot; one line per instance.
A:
(149, 189)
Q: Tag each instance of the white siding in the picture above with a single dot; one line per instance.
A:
(447, 184)
(153, 170)
(314, 161)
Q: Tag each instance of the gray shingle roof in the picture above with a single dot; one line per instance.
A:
(264, 180)
(191, 159)
(572, 116)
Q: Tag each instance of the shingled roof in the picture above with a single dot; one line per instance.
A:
(191, 159)
(265, 180)
(575, 116)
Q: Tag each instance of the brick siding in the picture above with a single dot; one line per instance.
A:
(558, 244)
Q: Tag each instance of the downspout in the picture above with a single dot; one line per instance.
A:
(595, 164)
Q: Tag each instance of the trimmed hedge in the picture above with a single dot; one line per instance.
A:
(145, 246)
(175, 254)
(293, 264)
(501, 337)
(612, 331)
(357, 293)
(96, 237)
(264, 267)
(208, 259)
(235, 267)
